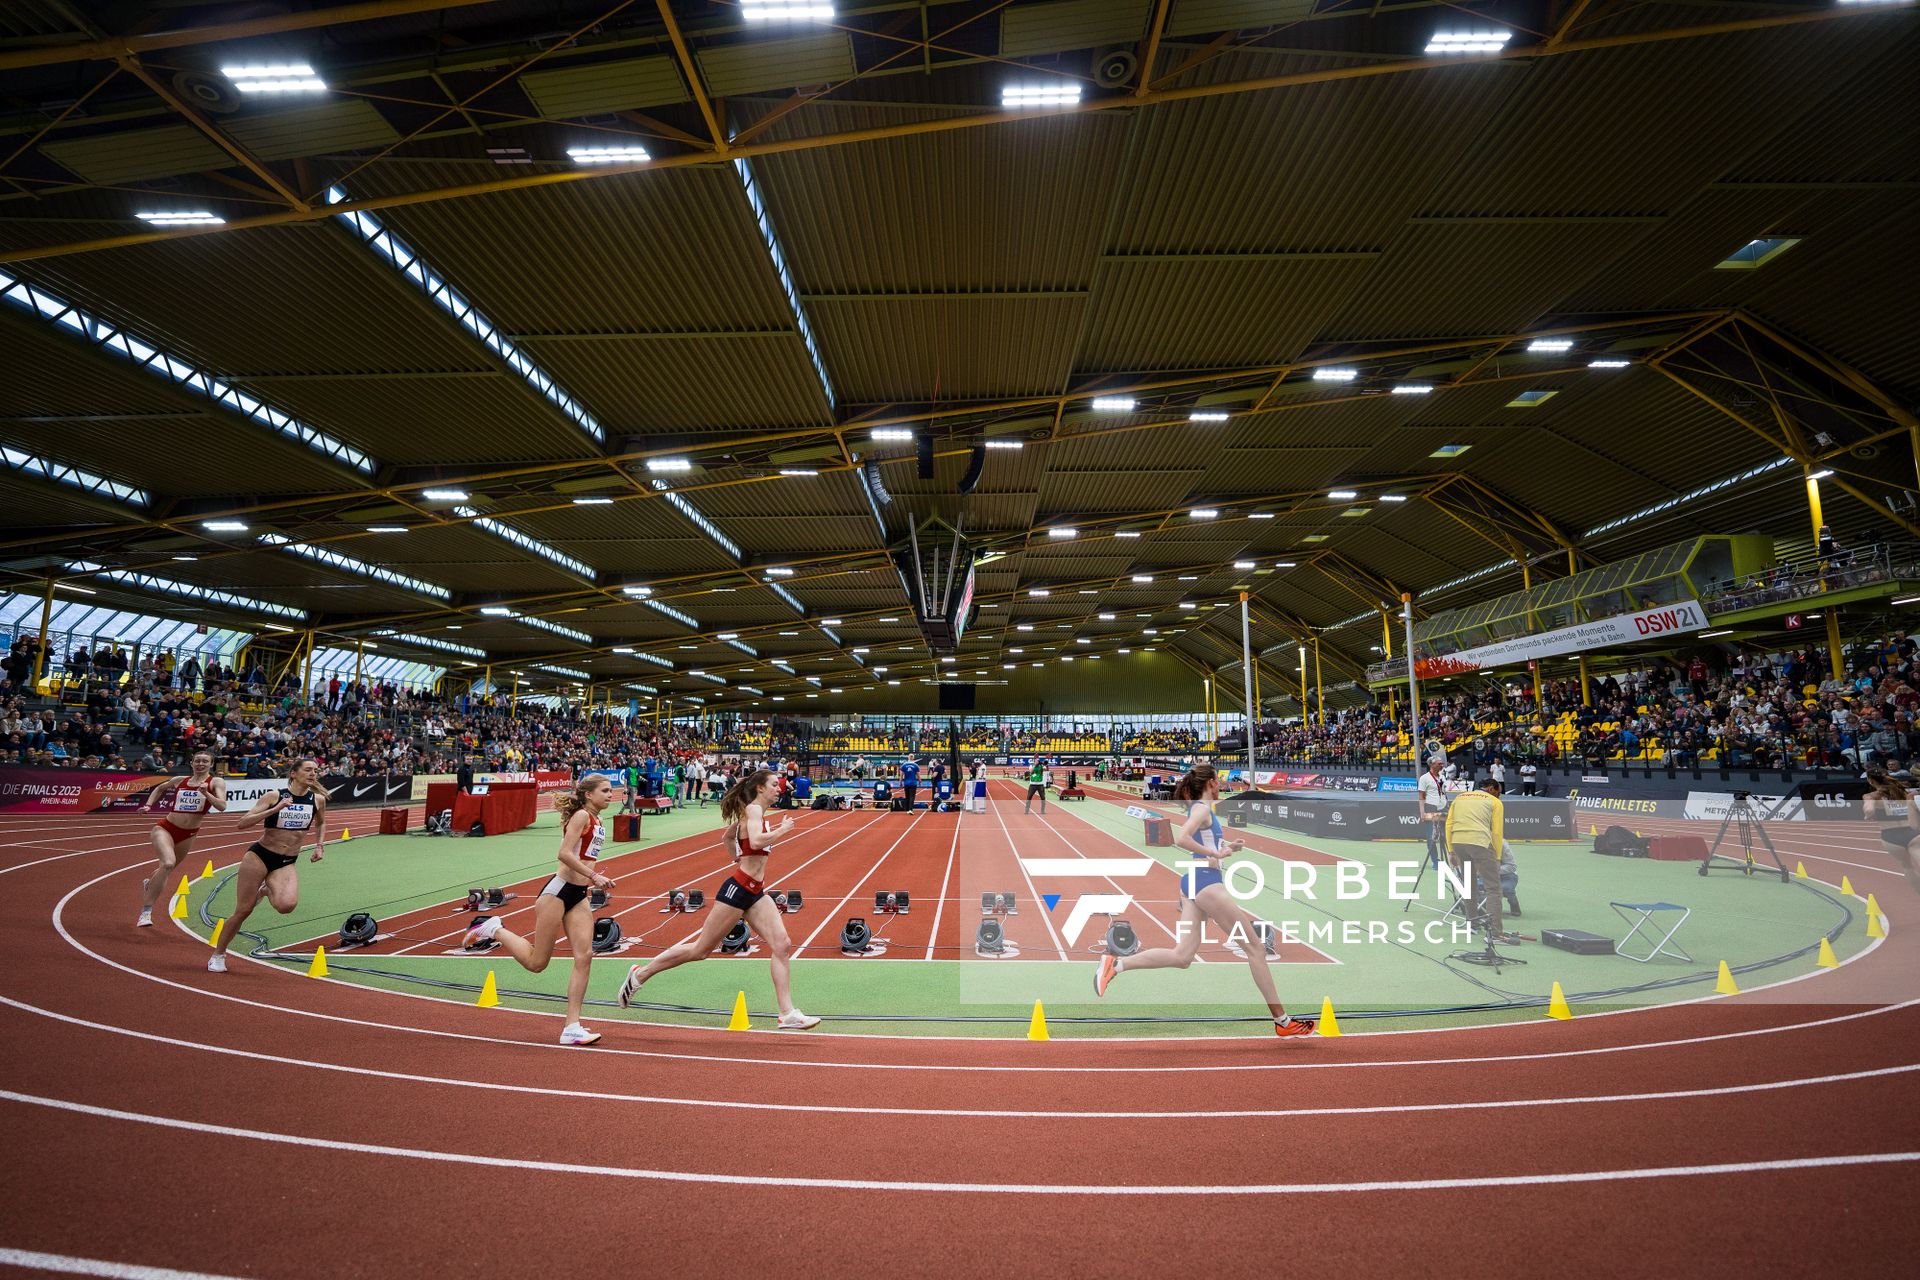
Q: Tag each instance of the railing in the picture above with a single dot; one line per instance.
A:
(1816, 575)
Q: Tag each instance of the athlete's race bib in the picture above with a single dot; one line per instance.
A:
(190, 802)
(295, 817)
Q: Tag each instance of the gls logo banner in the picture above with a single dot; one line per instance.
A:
(1087, 905)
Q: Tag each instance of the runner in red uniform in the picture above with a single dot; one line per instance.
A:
(743, 895)
(189, 800)
(562, 906)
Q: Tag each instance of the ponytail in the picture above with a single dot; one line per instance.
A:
(1193, 786)
(733, 805)
(575, 800)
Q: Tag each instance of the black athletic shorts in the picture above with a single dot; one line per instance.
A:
(274, 861)
(570, 894)
(1036, 789)
(1899, 837)
(739, 892)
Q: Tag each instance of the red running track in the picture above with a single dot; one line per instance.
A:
(262, 1124)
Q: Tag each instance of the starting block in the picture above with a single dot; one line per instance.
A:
(684, 900)
(887, 902)
(999, 904)
(787, 901)
(485, 899)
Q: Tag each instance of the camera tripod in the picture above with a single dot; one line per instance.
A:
(1746, 825)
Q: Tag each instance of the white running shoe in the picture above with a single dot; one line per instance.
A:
(146, 918)
(631, 987)
(794, 1020)
(574, 1033)
(217, 962)
(482, 932)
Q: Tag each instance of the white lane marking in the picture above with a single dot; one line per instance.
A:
(521, 1163)
(829, 917)
(1033, 894)
(66, 1265)
(940, 903)
(59, 925)
(1288, 1113)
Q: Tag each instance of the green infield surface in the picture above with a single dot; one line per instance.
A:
(1382, 964)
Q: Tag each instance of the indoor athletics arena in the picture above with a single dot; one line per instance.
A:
(959, 637)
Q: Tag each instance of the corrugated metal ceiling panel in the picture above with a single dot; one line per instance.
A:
(1098, 491)
(1022, 206)
(721, 383)
(886, 350)
(1070, 24)
(499, 419)
(136, 155)
(752, 65)
(322, 128)
(1192, 17)
(603, 87)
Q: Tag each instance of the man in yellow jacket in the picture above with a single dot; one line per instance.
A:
(1475, 833)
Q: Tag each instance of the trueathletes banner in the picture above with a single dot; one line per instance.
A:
(1623, 628)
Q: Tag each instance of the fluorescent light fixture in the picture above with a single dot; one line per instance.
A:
(636, 590)
(621, 154)
(1083, 641)
(496, 611)
(729, 635)
(1039, 592)
(182, 218)
(1393, 497)
(1468, 41)
(1208, 415)
(1127, 533)
(949, 661)
(1243, 564)
(275, 77)
(1143, 577)
(1004, 444)
(224, 526)
(880, 671)
(1283, 564)
(1413, 388)
(1106, 617)
(797, 471)
(1550, 344)
(1608, 364)
(1259, 515)
(1125, 651)
(1063, 93)
(1342, 495)
(1203, 513)
(1063, 533)
(862, 649)
(593, 502)
(1904, 600)
(778, 572)
(1023, 626)
(186, 557)
(830, 622)
(1707, 635)
(1335, 375)
(274, 626)
(1114, 404)
(623, 648)
(886, 435)
(669, 464)
(1822, 474)
(388, 528)
(1151, 631)
(445, 495)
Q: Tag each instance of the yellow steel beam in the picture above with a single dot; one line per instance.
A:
(1144, 77)
(132, 66)
(182, 37)
(949, 124)
(691, 70)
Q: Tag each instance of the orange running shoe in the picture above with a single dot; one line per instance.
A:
(1296, 1027)
(1108, 967)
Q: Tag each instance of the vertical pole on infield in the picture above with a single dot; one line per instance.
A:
(1413, 683)
(1246, 677)
(1319, 683)
(1306, 705)
(306, 671)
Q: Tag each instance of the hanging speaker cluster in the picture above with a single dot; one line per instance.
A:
(976, 467)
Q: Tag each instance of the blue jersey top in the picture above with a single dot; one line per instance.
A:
(910, 773)
(1219, 842)
(802, 786)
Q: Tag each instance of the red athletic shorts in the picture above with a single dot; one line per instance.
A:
(181, 835)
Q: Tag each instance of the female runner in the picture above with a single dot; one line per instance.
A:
(1902, 842)
(1203, 897)
(562, 906)
(194, 797)
(743, 895)
(268, 867)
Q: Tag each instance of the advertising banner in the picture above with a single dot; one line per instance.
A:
(1379, 818)
(1712, 806)
(1606, 633)
(73, 790)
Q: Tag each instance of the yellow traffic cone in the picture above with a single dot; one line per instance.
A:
(346, 834)
(1827, 960)
(318, 969)
(739, 1022)
(1846, 887)
(1873, 905)
(1726, 986)
(179, 909)
(1557, 1007)
(1800, 870)
(182, 890)
(1328, 1025)
(489, 993)
(1874, 927)
(1037, 1028)
(206, 873)
(219, 927)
